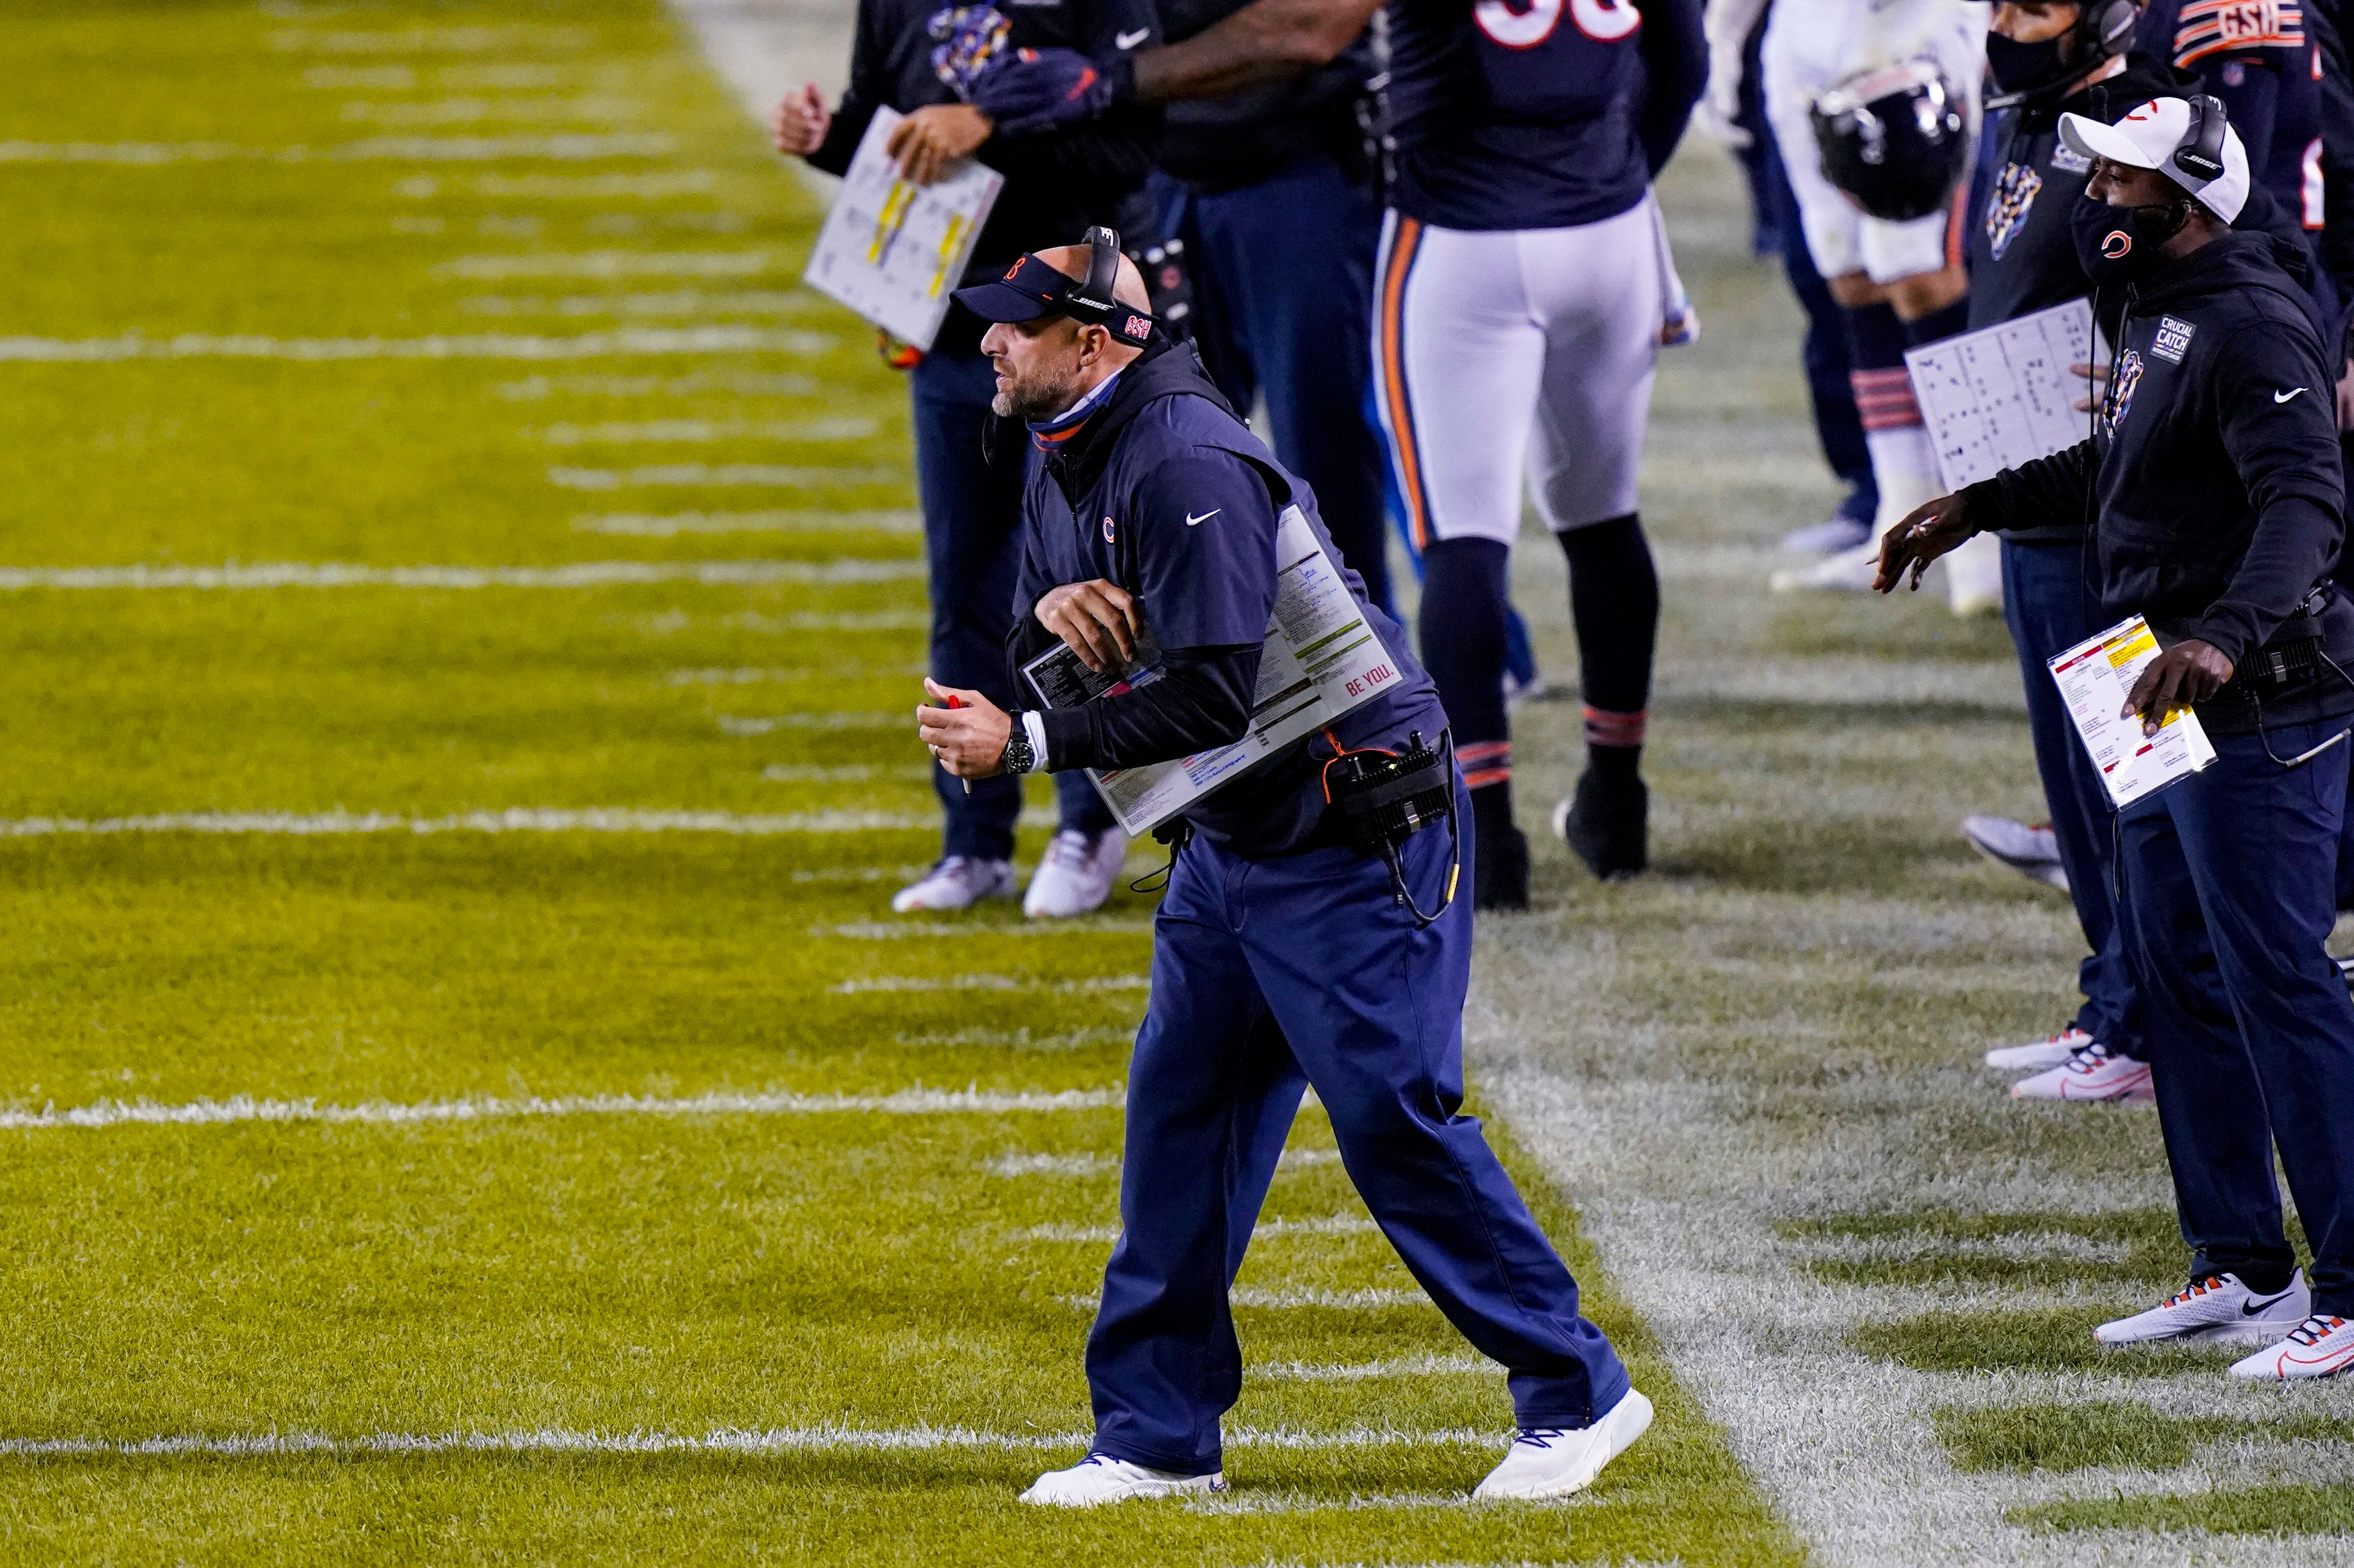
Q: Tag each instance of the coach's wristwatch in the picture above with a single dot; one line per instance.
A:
(1019, 757)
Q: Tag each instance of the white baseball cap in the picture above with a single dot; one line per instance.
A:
(2149, 137)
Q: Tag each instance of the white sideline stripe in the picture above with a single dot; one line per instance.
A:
(582, 574)
(516, 820)
(577, 148)
(472, 110)
(951, 930)
(744, 386)
(697, 474)
(459, 40)
(613, 264)
(243, 1108)
(670, 302)
(726, 1440)
(1397, 1366)
(730, 724)
(770, 674)
(1336, 1225)
(618, 342)
(989, 982)
(643, 525)
(619, 433)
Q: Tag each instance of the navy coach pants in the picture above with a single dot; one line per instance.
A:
(1283, 304)
(2228, 878)
(1269, 976)
(2049, 610)
(972, 522)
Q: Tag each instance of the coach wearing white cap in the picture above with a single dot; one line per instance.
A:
(2212, 497)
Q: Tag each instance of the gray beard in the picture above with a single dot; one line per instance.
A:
(1033, 403)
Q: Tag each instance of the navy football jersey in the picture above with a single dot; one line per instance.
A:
(1524, 113)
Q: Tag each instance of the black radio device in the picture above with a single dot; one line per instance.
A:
(1385, 798)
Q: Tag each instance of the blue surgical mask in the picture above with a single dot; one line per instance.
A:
(2123, 244)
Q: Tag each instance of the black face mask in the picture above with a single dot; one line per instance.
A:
(2122, 244)
(2024, 68)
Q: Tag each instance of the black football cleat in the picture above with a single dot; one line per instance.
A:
(1607, 823)
(1500, 870)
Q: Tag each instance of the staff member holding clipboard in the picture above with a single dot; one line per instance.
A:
(920, 58)
(2211, 502)
(1311, 934)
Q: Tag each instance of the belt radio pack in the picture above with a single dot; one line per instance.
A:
(1387, 797)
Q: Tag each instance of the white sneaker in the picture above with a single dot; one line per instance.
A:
(1850, 571)
(2042, 1053)
(2093, 1072)
(1516, 691)
(1548, 1462)
(958, 881)
(2032, 852)
(1076, 874)
(1974, 577)
(1839, 533)
(2318, 1347)
(2217, 1307)
(1099, 1478)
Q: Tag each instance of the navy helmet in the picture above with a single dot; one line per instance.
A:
(1893, 138)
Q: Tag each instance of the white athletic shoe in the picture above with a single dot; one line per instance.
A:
(1076, 874)
(1974, 577)
(2031, 852)
(2318, 1347)
(1850, 571)
(1099, 1478)
(2042, 1053)
(1548, 1462)
(2093, 1072)
(1830, 538)
(2217, 1307)
(958, 881)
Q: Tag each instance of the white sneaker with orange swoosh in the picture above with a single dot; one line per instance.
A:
(2318, 1347)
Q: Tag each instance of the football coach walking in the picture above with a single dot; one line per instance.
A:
(1284, 955)
(2213, 501)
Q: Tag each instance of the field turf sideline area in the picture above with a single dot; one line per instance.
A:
(463, 1096)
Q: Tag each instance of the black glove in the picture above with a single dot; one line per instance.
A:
(1044, 89)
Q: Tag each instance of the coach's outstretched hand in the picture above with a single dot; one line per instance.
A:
(1926, 532)
(966, 731)
(1039, 89)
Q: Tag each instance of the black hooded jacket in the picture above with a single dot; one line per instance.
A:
(1169, 495)
(2214, 474)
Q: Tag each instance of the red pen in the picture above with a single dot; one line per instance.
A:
(953, 705)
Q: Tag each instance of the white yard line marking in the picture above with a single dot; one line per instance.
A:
(1249, 1502)
(1014, 1039)
(730, 724)
(669, 302)
(243, 1108)
(1397, 1366)
(951, 930)
(473, 110)
(1019, 1165)
(789, 385)
(645, 525)
(581, 575)
(759, 677)
(619, 342)
(509, 39)
(582, 147)
(567, 187)
(1369, 1300)
(513, 820)
(702, 476)
(614, 264)
(726, 1440)
(1266, 1229)
(626, 432)
(902, 983)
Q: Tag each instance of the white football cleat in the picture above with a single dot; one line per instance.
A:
(2216, 1307)
(2042, 1053)
(1829, 538)
(1550, 1462)
(2318, 1347)
(2032, 852)
(1850, 571)
(2093, 1072)
(1076, 875)
(1099, 1478)
(959, 881)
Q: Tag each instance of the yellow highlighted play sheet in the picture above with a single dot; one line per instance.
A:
(2094, 678)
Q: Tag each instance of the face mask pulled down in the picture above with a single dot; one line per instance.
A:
(2123, 244)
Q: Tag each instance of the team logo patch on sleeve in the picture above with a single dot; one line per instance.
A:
(1107, 531)
(2173, 339)
(2015, 190)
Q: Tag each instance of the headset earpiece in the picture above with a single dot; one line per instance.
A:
(2106, 29)
(2202, 154)
(1103, 271)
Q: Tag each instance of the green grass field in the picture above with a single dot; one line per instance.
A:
(552, 1148)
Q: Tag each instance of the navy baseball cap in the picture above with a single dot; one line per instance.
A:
(1031, 289)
